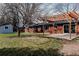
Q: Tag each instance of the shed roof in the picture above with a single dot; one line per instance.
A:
(4, 24)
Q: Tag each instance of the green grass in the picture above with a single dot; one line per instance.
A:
(15, 34)
(33, 41)
(9, 34)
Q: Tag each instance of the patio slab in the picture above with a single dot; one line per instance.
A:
(64, 36)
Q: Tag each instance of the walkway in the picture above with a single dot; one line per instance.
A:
(70, 48)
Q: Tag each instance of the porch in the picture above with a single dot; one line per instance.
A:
(64, 36)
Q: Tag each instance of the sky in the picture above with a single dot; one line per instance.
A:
(53, 8)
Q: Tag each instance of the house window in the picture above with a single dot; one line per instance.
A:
(6, 27)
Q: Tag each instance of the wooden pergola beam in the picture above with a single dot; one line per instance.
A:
(75, 16)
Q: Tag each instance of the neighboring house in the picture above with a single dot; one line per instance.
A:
(6, 28)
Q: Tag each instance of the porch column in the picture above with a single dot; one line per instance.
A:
(70, 23)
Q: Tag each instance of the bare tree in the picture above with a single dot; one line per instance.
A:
(33, 12)
(44, 13)
(17, 11)
(11, 15)
(27, 11)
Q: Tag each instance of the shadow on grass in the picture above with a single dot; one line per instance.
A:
(28, 52)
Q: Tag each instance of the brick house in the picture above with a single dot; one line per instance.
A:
(61, 23)
(38, 27)
(58, 24)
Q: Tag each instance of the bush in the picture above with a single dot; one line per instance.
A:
(28, 52)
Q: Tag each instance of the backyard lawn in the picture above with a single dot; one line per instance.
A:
(10, 43)
(35, 44)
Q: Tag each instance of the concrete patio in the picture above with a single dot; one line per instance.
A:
(64, 36)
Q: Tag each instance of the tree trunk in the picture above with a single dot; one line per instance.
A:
(19, 33)
(43, 30)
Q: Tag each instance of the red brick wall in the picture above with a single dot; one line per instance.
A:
(55, 30)
(77, 29)
(60, 29)
(51, 29)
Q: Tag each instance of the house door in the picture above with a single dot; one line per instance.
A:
(66, 28)
(73, 28)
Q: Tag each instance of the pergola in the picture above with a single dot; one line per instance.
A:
(67, 16)
(75, 16)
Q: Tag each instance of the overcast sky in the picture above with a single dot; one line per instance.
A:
(52, 7)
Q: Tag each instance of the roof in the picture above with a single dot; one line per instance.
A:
(52, 23)
(40, 24)
(64, 22)
(64, 16)
(4, 24)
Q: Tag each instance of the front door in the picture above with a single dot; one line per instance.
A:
(66, 28)
(73, 28)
